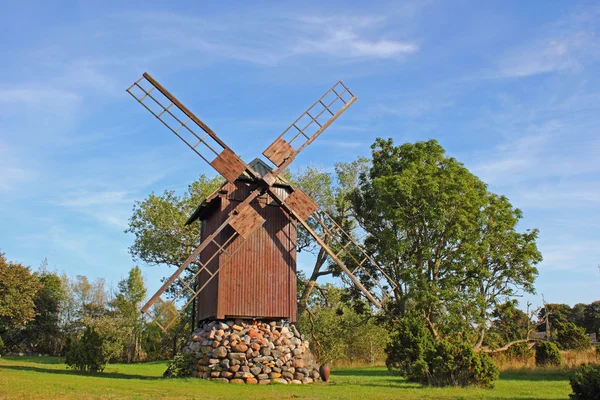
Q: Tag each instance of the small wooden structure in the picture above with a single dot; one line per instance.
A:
(260, 281)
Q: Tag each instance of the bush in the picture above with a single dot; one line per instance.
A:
(586, 383)
(180, 366)
(547, 353)
(571, 337)
(87, 354)
(520, 352)
(455, 364)
(1, 346)
(413, 354)
(408, 343)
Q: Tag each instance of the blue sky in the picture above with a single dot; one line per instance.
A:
(511, 89)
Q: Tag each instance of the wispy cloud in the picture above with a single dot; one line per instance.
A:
(566, 45)
(268, 41)
(550, 55)
(344, 144)
(347, 44)
(90, 199)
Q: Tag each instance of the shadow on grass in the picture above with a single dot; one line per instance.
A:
(35, 359)
(540, 374)
(536, 375)
(116, 375)
(361, 372)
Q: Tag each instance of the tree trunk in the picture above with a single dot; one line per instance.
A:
(312, 282)
(480, 340)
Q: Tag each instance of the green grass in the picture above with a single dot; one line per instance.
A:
(48, 378)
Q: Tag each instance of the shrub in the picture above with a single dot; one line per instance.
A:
(180, 366)
(413, 354)
(547, 353)
(455, 364)
(571, 337)
(1, 346)
(87, 354)
(586, 383)
(408, 343)
(520, 352)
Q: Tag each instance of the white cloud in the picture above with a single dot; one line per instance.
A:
(344, 43)
(567, 45)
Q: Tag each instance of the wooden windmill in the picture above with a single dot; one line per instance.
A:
(246, 259)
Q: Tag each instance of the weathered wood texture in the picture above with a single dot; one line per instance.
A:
(278, 151)
(246, 221)
(228, 165)
(260, 279)
(301, 204)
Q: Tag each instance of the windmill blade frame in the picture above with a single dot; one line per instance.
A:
(330, 105)
(185, 125)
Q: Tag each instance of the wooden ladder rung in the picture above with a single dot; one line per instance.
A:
(327, 108)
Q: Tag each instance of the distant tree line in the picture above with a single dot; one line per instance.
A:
(44, 312)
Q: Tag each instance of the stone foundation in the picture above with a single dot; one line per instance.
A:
(245, 351)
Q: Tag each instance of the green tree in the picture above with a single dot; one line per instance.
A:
(18, 289)
(91, 297)
(591, 317)
(450, 243)
(44, 332)
(509, 323)
(127, 302)
(161, 236)
(554, 313)
(571, 337)
(577, 315)
(332, 192)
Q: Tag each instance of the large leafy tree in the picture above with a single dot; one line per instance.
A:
(18, 290)
(450, 243)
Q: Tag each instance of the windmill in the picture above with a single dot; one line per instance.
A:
(237, 231)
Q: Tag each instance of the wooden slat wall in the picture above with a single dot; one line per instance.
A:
(260, 280)
(207, 299)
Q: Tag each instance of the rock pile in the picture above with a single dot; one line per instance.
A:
(251, 352)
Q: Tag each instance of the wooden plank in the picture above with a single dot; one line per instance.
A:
(278, 151)
(229, 165)
(246, 221)
(302, 205)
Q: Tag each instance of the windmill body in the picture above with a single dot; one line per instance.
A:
(260, 280)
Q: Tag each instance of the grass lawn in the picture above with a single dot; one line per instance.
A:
(48, 378)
